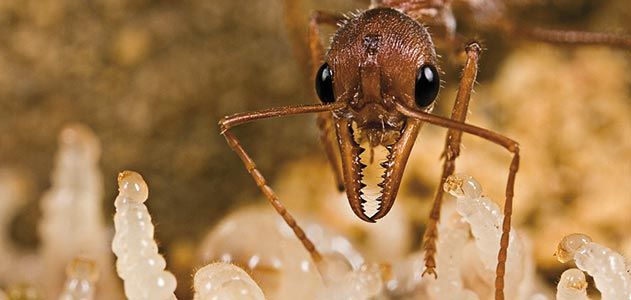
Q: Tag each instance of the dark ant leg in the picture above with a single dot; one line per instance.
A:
(295, 23)
(493, 15)
(325, 119)
(315, 44)
(450, 153)
(498, 139)
(228, 122)
(566, 36)
(328, 141)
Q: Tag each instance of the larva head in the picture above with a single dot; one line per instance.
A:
(376, 59)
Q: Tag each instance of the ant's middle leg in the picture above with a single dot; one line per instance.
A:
(567, 37)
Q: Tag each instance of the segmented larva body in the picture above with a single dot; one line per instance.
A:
(572, 286)
(225, 281)
(82, 275)
(360, 284)
(606, 266)
(72, 223)
(454, 237)
(266, 247)
(485, 219)
(139, 264)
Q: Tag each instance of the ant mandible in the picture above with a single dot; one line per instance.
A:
(378, 86)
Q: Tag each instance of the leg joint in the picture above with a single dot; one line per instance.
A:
(223, 125)
(473, 47)
(514, 149)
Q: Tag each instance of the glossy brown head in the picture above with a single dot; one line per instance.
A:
(377, 58)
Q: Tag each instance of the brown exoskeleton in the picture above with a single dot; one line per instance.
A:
(378, 84)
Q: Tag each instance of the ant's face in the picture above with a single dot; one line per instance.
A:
(377, 59)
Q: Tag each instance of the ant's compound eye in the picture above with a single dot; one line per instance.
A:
(427, 85)
(324, 84)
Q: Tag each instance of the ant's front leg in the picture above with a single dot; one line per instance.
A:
(508, 144)
(325, 119)
(450, 153)
(311, 61)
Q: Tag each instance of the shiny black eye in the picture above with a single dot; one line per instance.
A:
(324, 84)
(427, 85)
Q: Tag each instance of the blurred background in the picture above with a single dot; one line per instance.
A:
(152, 78)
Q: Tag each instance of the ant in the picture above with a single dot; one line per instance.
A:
(378, 84)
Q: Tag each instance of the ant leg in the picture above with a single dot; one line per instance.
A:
(498, 139)
(228, 122)
(325, 119)
(315, 43)
(568, 37)
(328, 141)
(493, 17)
(296, 20)
(450, 153)
(295, 23)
